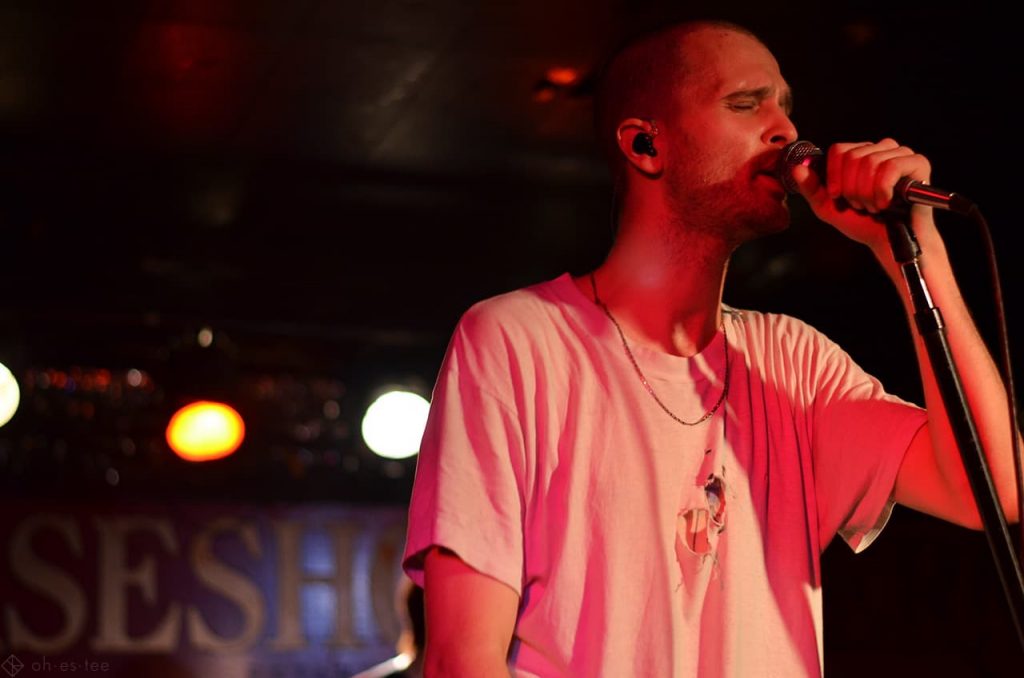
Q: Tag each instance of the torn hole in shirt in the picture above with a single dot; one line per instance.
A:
(697, 528)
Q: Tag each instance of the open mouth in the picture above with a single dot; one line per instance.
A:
(772, 177)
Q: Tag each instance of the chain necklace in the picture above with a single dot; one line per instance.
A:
(643, 379)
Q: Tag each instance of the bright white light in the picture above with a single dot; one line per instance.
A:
(10, 395)
(393, 424)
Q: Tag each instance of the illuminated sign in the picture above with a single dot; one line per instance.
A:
(214, 590)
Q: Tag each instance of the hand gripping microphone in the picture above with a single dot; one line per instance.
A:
(906, 190)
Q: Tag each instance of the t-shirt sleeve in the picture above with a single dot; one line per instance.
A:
(860, 436)
(467, 491)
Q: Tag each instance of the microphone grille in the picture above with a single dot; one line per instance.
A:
(799, 153)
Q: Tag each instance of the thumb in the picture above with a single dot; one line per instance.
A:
(806, 180)
(813, 191)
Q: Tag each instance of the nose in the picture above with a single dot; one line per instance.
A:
(781, 130)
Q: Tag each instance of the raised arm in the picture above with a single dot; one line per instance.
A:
(470, 617)
(931, 478)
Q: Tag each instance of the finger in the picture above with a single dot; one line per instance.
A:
(836, 159)
(858, 163)
(889, 172)
(807, 181)
(875, 179)
(851, 176)
(860, 150)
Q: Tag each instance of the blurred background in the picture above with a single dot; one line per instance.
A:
(286, 206)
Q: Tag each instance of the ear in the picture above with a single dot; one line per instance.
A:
(626, 134)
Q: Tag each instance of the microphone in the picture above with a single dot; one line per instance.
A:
(906, 190)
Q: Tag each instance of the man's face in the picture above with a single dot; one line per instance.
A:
(732, 120)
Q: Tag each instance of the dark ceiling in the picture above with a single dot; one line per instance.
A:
(328, 166)
(329, 184)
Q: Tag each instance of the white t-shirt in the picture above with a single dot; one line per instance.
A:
(640, 546)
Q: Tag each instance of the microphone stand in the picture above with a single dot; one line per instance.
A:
(933, 333)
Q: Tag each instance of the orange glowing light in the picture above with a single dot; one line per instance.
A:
(563, 77)
(203, 431)
(544, 93)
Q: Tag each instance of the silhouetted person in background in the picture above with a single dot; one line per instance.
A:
(408, 663)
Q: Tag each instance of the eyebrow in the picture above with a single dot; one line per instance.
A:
(762, 93)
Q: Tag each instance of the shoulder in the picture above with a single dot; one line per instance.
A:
(794, 354)
(787, 349)
(773, 329)
(520, 313)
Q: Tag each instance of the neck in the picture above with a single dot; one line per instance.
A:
(663, 284)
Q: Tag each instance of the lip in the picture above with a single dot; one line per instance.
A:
(771, 176)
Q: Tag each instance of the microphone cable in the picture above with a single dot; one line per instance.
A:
(1004, 359)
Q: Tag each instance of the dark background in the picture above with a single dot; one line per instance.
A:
(328, 185)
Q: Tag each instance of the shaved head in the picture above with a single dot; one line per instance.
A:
(642, 78)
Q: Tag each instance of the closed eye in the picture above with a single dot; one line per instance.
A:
(751, 99)
(742, 105)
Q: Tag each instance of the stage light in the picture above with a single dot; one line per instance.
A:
(204, 430)
(10, 395)
(205, 337)
(544, 92)
(563, 77)
(393, 424)
(557, 81)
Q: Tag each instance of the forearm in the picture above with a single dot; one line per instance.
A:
(470, 619)
(464, 662)
(982, 383)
